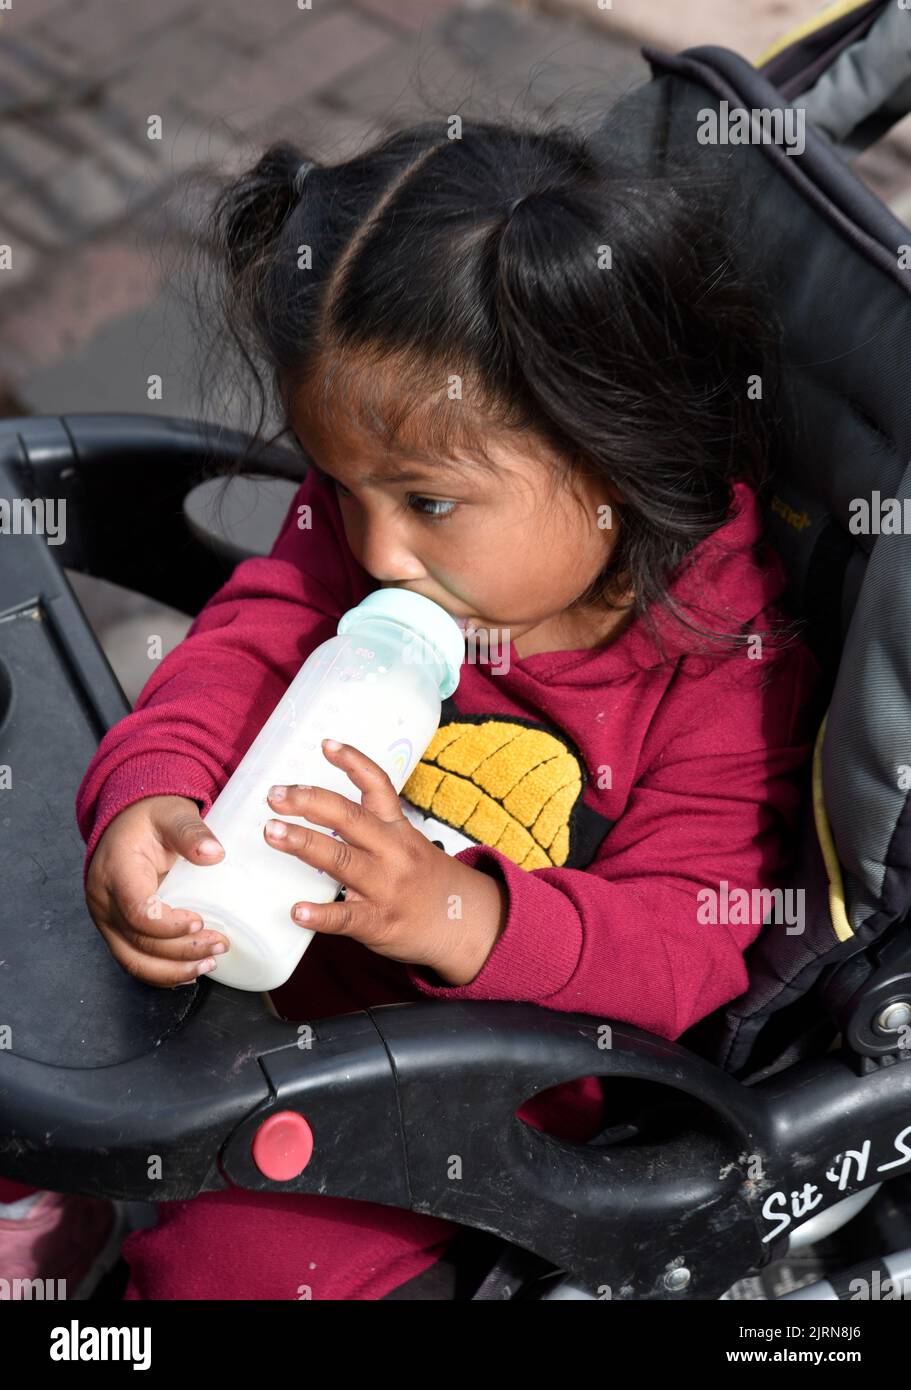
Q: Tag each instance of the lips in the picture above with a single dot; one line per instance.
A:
(464, 620)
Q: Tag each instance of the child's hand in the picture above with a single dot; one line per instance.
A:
(156, 943)
(405, 898)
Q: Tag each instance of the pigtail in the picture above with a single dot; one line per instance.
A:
(249, 215)
(235, 294)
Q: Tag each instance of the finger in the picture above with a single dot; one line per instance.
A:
(357, 919)
(180, 921)
(186, 833)
(192, 945)
(152, 926)
(358, 826)
(152, 970)
(336, 858)
(137, 908)
(377, 792)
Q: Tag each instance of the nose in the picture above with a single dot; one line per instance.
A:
(383, 551)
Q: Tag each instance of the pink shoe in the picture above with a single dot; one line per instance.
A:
(64, 1237)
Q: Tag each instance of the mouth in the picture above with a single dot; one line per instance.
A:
(468, 622)
(441, 603)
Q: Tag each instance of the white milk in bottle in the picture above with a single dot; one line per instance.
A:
(377, 685)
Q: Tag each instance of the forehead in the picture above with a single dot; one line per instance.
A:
(384, 411)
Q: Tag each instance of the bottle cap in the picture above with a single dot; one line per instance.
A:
(420, 615)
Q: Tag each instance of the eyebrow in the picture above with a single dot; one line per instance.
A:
(405, 475)
(413, 476)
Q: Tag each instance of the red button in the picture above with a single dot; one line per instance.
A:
(283, 1145)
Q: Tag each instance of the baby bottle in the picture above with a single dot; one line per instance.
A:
(377, 685)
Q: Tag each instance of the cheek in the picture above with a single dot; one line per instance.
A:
(586, 533)
(476, 568)
(568, 551)
(511, 583)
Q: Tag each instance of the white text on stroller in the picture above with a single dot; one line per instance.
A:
(852, 1165)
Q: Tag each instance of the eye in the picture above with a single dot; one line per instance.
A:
(433, 503)
(436, 509)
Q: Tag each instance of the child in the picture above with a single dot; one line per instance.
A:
(521, 376)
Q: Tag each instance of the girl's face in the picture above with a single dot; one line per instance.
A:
(506, 550)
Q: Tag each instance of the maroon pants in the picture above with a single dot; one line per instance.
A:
(249, 1245)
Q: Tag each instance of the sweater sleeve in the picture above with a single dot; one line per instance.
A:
(208, 698)
(627, 937)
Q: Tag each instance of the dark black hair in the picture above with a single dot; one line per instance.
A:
(607, 312)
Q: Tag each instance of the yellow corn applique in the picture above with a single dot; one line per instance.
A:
(510, 784)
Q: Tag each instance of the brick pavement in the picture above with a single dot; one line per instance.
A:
(87, 200)
(86, 197)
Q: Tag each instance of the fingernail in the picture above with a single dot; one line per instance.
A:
(332, 744)
(219, 948)
(209, 847)
(206, 966)
(277, 793)
(277, 829)
(302, 914)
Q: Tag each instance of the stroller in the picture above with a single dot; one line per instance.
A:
(778, 1124)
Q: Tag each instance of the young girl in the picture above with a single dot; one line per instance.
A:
(521, 375)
